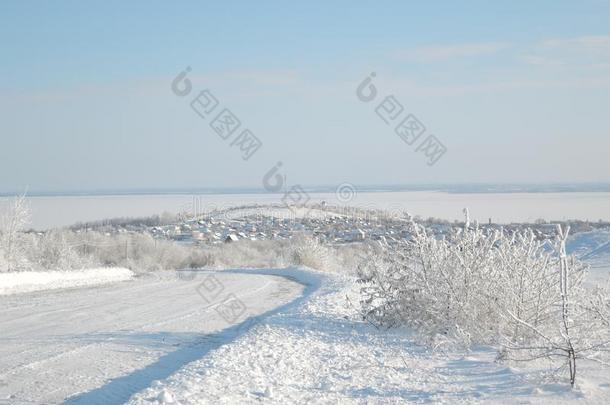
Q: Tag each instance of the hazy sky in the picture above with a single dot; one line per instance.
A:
(516, 91)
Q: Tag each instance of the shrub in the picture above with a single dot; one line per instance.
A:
(475, 286)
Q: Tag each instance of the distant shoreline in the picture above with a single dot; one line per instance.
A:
(52, 211)
(445, 188)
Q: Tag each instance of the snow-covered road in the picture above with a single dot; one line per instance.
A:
(103, 344)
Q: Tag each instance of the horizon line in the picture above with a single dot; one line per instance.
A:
(457, 187)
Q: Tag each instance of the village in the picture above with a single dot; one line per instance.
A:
(330, 225)
(330, 228)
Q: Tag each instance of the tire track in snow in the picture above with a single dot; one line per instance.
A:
(112, 331)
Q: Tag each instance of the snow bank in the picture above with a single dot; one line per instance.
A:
(28, 281)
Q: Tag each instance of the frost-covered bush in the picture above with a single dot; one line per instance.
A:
(56, 250)
(141, 252)
(65, 249)
(302, 250)
(308, 251)
(251, 253)
(443, 287)
(475, 286)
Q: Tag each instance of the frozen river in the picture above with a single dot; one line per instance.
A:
(500, 207)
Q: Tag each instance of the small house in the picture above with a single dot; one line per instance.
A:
(231, 238)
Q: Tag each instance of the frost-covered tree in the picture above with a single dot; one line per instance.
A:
(12, 245)
(573, 323)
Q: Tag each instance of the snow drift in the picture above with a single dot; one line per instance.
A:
(28, 281)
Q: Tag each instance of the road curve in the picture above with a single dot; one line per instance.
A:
(61, 345)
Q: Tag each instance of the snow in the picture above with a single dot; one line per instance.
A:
(315, 351)
(29, 281)
(155, 340)
(101, 344)
(593, 248)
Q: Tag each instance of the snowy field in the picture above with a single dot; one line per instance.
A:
(48, 212)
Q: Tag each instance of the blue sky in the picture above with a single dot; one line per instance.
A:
(516, 91)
